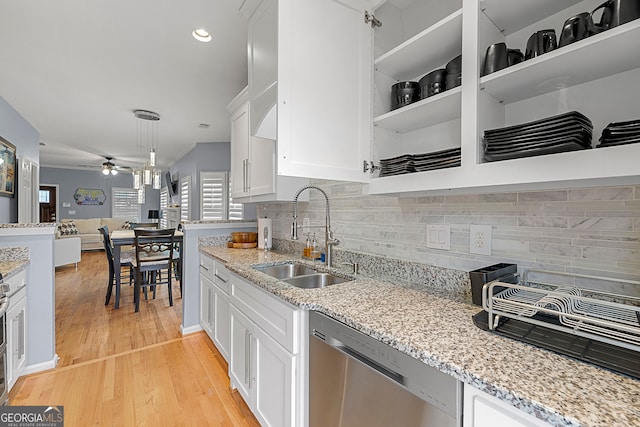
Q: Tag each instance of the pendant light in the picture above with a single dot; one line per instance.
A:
(148, 138)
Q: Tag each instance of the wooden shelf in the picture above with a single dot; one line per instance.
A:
(426, 51)
(427, 112)
(605, 54)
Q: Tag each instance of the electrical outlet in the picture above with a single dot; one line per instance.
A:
(72, 212)
(480, 239)
(305, 226)
(439, 237)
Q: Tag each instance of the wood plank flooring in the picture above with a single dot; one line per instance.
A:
(122, 368)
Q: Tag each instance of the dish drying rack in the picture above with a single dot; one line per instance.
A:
(592, 314)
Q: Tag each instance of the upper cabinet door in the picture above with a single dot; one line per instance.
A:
(324, 88)
(263, 64)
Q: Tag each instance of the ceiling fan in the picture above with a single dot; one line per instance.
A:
(109, 167)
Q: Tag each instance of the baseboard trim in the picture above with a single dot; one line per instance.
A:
(190, 329)
(43, 366)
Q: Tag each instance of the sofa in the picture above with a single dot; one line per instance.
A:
(87, 230)
(67, 251)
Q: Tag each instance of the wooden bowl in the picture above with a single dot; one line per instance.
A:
(244, 237)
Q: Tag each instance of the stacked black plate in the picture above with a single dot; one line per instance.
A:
(408, 163)
(620, 133)
(565, 132)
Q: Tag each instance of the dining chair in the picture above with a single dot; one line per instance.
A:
(135, 225)
(154, 253)
(127, 259)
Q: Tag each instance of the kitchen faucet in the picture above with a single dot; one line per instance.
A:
(329, 241)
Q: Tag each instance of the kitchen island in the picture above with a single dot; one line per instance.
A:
(435, 327)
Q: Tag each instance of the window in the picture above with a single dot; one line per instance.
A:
(185, 197)
(215, 191)
(124, 204)
(164, 202)
(43, 196)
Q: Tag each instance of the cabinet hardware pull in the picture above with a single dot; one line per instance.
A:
(369, 167)
(247, 357)
(221, 278)
(369, 18)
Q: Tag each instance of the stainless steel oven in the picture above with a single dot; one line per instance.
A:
(356, 380)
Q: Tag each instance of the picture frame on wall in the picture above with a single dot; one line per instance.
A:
(7, 168)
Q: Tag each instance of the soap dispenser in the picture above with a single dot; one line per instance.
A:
(315, 253)
(307, 248)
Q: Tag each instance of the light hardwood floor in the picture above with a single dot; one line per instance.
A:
(123, 368)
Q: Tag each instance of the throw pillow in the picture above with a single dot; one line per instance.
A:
(67, 228)
(126, 225)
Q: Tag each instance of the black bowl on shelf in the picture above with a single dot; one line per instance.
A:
(404, 93)
(433, 83)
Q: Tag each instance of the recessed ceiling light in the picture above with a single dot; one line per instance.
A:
(201, 35)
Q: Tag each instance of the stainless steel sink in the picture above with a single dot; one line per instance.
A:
(300, 275)
(286, 271)
(318, 280)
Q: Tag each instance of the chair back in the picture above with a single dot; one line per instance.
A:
(135, 225)
(154, 248)
(104, 230)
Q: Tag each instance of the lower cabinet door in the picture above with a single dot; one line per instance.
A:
(273, 382)
(205, 305)
(240, 363)
(484, 410)
(16, 342)
(221, 322)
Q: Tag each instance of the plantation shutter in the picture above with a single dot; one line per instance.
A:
(164, 202)
(124, 204)
(185, 197)
(213, 193)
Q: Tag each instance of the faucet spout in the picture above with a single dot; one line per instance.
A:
(329, 240)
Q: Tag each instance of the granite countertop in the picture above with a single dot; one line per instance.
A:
(438, 330)
(10, 268)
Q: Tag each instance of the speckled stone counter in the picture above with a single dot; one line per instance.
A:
(10, 268)
(438, 330)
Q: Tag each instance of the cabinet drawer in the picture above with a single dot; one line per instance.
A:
(207, 266)
(17, 288)
(277, 318)
(221, 278)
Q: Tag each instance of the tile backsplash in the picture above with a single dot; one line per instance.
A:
(585, 230)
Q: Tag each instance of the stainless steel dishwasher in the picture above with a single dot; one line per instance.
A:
(356, 380)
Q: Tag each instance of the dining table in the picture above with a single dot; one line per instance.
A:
(123, 238)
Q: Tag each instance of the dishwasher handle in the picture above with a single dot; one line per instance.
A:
(372, 364)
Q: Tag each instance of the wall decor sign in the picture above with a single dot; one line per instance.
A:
(89, 196)
(7, 168)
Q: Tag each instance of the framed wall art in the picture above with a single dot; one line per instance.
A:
(7, 168)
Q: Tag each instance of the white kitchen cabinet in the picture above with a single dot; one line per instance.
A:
(262, 371)
(321, 112)
(594, 76)
(16, 328)
(220, 306)
(266, 354)
(309, 80)
(253, 161)
(214, 303)
(484, 410)
(206, 294)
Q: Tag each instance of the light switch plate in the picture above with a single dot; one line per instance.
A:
(480, 239)
(439, 237)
